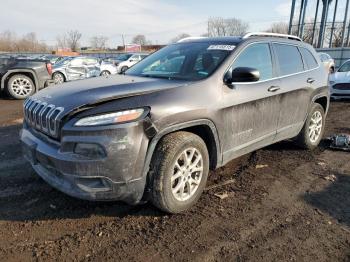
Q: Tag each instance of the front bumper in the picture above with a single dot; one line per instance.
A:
(115, 175)
(340, 94)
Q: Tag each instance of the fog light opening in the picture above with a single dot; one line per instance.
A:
(89, 150)
(93, 184)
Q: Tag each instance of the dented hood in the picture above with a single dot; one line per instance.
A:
(86, 92)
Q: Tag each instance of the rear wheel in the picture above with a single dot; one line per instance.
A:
(20, 86)
(58, 78)
(105, 73)
(180, 169)
(311, 134)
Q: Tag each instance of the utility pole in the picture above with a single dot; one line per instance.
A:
(315, 21)
(292, 10)
(344, 23)
(324, 17)
(332, 29)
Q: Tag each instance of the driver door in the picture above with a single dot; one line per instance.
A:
(251, 109)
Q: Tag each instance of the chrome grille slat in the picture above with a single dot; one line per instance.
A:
(42, 116)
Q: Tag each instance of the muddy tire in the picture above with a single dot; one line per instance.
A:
(20, 87)
(179, 168)
(311, 134)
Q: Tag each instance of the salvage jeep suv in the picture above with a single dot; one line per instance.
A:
(156, 131)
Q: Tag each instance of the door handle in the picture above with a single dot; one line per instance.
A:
(273, 88)
(310, 80)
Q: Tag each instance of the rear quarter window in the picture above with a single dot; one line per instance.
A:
(289, 59)
(309, 59)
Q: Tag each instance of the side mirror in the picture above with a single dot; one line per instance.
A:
(242, 74)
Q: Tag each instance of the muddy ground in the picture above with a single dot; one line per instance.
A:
(291, 209)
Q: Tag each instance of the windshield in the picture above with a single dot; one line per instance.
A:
(63, 61)
(185, 61)
(345, 67)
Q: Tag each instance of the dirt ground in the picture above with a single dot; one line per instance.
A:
(282, 204)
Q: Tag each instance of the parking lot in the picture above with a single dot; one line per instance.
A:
(279, 203)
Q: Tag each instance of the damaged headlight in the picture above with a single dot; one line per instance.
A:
(110, 118)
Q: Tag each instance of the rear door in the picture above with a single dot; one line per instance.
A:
(296, 87)
(251, 109)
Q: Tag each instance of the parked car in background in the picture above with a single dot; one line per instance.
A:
(328, 62)
(52, 58)
(154, 132)
(132, 60)
(21, 78)
(340, 82)
(80, 67)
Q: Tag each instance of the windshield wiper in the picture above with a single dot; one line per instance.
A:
(163, 77)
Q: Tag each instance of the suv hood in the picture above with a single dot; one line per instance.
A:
(100, 89)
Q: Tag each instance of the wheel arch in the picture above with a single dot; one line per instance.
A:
(204, 128)
(29, 73)
(60, 72)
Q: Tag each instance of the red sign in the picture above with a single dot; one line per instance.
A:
(132, 48)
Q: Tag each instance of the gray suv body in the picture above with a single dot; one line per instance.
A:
(154, 132)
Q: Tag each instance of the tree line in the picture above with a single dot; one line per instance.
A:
(216, 27)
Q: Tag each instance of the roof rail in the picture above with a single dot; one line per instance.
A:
(191, 38)
(293, 37)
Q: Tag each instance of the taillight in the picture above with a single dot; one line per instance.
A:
(49, 68)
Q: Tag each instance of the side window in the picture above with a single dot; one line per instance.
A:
(91, 61)
(289, 59)
(76, 62)
(257, 56)
(309, 59)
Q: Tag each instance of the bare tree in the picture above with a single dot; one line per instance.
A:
(279, 28)
(141, 40)
(98, 42)
(219, 26)
(179, 37)
(29, 43)
(61, 41)
(73, 38)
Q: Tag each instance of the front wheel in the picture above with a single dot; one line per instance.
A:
(180, 169)
(311, 134)
(123, 69)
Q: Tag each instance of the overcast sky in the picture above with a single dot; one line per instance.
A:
(158, 20)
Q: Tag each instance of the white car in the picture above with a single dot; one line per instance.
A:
(134, 59)
(340, 82)
(108, 69)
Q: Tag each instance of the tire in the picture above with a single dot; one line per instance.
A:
(315, 122)
(105, 73)
(58, 78)
(169, 162)
(123, 69)
(20, 87)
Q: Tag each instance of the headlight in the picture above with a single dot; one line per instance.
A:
(331, 83)
(110, 118)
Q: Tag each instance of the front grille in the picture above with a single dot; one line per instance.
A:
(342, 86)
(42, 116)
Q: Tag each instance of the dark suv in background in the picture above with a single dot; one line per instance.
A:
(156, 131)
(21, 78)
